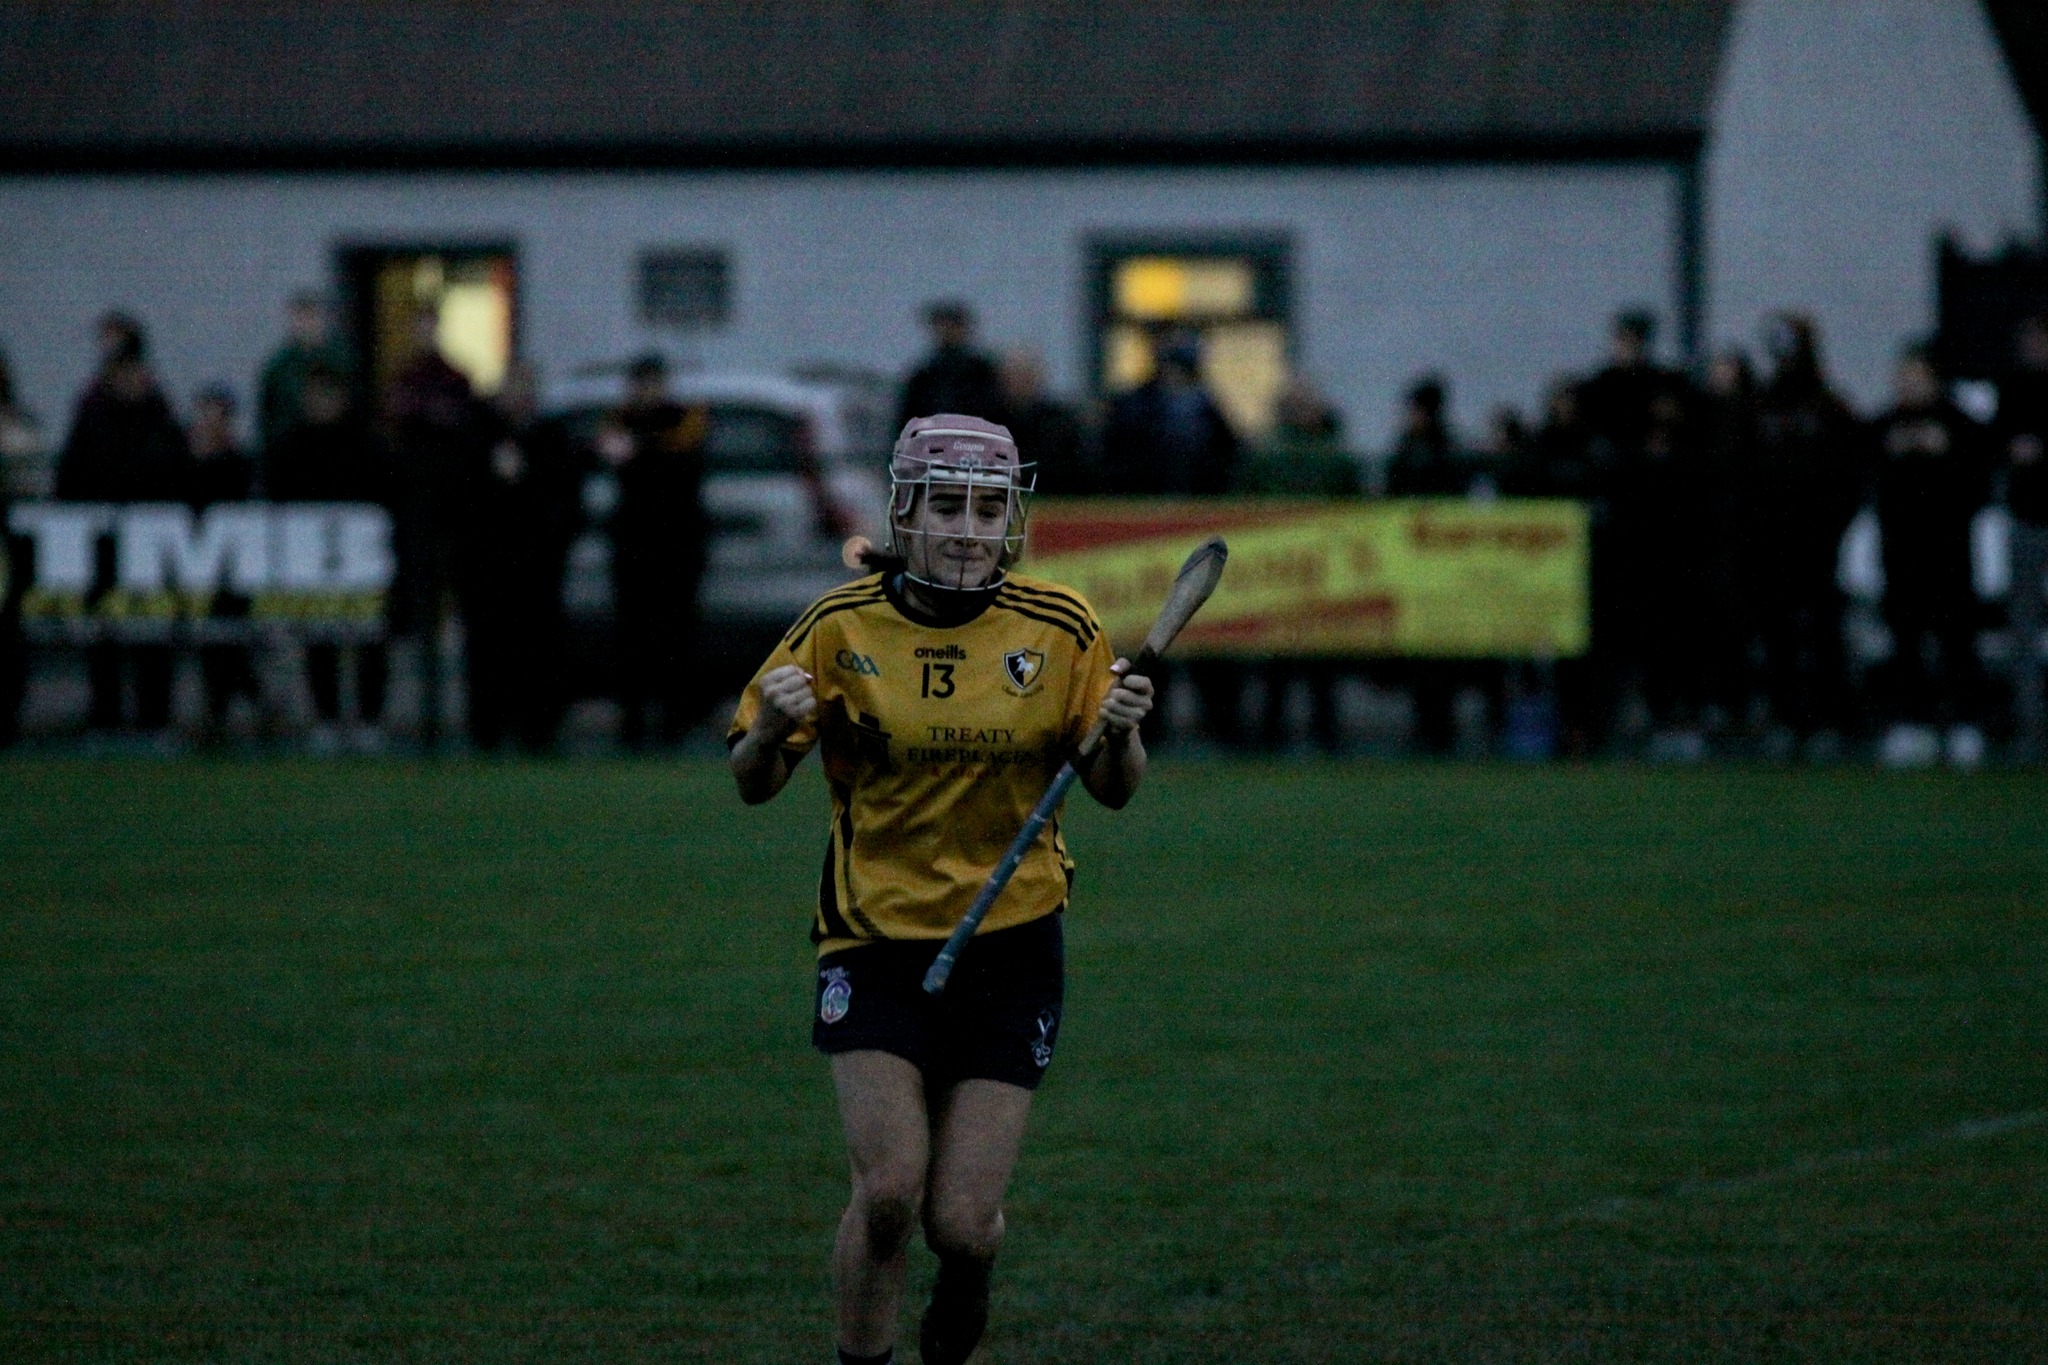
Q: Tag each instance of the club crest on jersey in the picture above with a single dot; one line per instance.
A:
(837, 996)
(1024, 667)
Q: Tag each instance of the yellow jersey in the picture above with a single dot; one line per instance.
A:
(937, 741)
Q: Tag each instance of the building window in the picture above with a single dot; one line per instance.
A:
(1232, 295)
(687, 287)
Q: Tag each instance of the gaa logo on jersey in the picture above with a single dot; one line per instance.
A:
(857, 663)
(837, 996)
(1024, 667)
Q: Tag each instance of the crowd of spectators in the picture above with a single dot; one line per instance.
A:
(1718, 512)
(485, 495)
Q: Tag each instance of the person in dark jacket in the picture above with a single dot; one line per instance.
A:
(334, 455)
(1167, 436)
(1563, 461)
(520, 515)
(432, 419)
(1728, 443)
(22, 471)
(1805, 485)
(1426, 461)
(2023, 449)
(1932, 477)
(125, 446)
(1636, 419)
(655, 447)
(955, 377)
(221, 471)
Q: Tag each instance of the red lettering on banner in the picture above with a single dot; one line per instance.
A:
(1428, 534)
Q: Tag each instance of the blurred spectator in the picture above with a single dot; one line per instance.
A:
(1557, 464)
(955, 377)
(1167, 435)
(1931, 481)
(1624, 407)
(655, 446)
(308, 342)
(1670, 532)
(1805, 486)
(1560, 464)
(1305, 455)
(2023, 429)
(1502, 455)
(1426, 461)
(26, 471)
(1618, 403)
(333, 454)
(1728, 456)
(221, 472)
(25, 474)
(435, 431)
(124, 446)
(522, 513)
(1047, 431)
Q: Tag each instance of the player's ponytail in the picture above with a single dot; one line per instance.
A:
(861, 553)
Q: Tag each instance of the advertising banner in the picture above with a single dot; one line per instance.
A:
(1424, 577)
(235, 571)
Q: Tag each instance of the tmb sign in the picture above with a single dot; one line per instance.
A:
(143, 571)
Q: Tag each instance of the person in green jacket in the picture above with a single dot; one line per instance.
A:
(1305, 454)
(309, 342)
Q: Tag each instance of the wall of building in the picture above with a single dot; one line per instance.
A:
(1846, 134)
(1496, 276)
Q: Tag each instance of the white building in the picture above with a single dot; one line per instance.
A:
(1362, 192)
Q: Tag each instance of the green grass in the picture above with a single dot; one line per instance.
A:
(509, 1063)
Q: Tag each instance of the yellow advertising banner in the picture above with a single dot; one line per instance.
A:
(1426, 577)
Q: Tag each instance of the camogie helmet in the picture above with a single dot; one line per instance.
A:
(952, 451)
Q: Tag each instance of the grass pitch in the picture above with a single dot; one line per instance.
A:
(509, 1063)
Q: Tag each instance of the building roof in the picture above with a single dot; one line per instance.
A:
(503, 82)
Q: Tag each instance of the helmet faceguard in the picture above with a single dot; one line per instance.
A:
(945, 522)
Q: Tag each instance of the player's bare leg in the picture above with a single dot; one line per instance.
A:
(882, 1108)
(977, 1129)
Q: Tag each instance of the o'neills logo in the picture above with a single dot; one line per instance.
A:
(940, 652)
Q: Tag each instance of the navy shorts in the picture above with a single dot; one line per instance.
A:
(998, 1018)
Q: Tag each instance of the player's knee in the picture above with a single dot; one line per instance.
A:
(888, 1211)
(964, 1227)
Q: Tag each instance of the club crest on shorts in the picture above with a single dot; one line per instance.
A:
(837, 996)
(1024, 666)
(1048, 1034)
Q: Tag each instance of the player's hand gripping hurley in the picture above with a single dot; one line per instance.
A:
(1191, 588)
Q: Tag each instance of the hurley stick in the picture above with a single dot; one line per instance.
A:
(1191, 588)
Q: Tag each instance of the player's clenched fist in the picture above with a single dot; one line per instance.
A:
(787, 700)
(1128, 702)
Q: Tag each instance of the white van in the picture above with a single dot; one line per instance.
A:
(792, 467)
